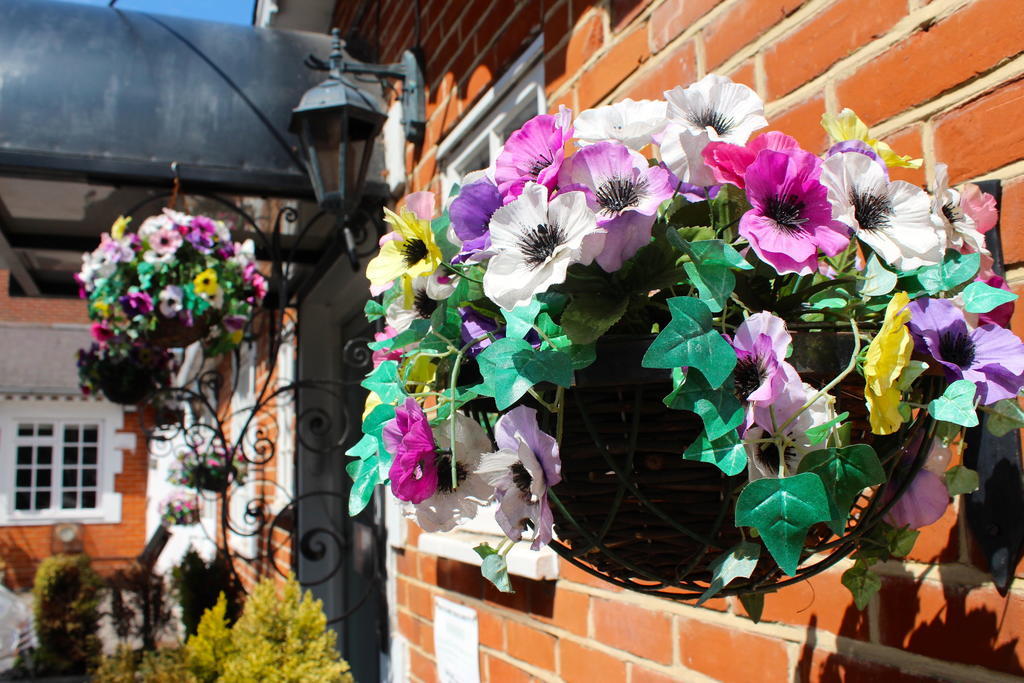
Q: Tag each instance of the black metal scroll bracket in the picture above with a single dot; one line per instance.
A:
(995, 512)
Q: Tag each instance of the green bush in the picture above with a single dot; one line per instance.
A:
(278, 639)
(134, 666)
(198, 583)
(67, 599)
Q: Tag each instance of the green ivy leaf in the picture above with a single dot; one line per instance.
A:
(718, 408)
(582, 355)
(955, 269)
(782, 510)
(384, 382)
(961, 480)
(901, 540)
(373, 310)
(911, 372)
(495, 570)
(728, 206)
(819, 433)
(416, 331)
(519, 321)
(736, 563)
(511, 366)
(845, 472)
(689, 341)
(956, 404)
(862, 583)
(710, 268)
(439, 226)
(981, 298)
(753, 603)
(727, 452)
(373, 462)
(1004, 416)
(878, 280)
(588, 316)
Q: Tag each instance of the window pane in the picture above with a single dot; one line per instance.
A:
(23, 478)
(90, 434)
(71, 433)
(70, 478)
(89, 477)
(42, 500)
(89, 499)
(70, 455)
(25, 430)
(69, 500)
(43, 477)
(22, 500)
(44, 430)
(24, 455)
(44, 455)
(89, 455)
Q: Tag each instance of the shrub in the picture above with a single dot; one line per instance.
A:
(139, 605)
(198, 583)
(133, 666)
(67, 597)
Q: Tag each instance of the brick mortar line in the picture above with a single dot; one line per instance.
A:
(954, 574)
(1011, 171)
(795, 20)
(532, 669)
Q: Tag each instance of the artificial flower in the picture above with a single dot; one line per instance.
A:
(633, 123)
(534, 153)
(102, 308)
(171, 301)
(409, 250)
(790, 218)
(470, 214)
(887, 356)
(682, 152)
(848, 126)
(206, 282)
(980, 206)
(728, 163)
(136, 303)
(777, 440)
(761, 343)
(1001, 314)
(522, 470)
(412, 303)
(165, 242)
(455, 502)
(381, 355)
(119, 226)
(715, 105)
(410, 441)
(535, 242)
(624, 192)
(923, 503)
(990, 356)
(893, 218)
(101, 332)
(961, 232)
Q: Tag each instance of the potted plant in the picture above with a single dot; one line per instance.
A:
(122, 371)
(178, 280)
(717, 371)
(208, 468)
(179, 509)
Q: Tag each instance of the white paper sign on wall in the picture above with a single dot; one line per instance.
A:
(456, 642)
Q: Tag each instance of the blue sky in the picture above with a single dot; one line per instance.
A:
(229, 11)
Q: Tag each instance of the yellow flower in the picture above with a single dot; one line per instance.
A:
(413, 253)
(117, 229)
(206, 282)
(372, 401)
(235, 337)
(848, 126)
(101, 307)
(887, 355)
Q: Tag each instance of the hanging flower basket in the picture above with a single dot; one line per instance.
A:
(208, 468)
(178, 280)
(124, 373)
(179, 509)
(716, 372)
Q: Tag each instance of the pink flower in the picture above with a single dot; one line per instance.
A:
(534, 153)
(381, 355)
(101, 333)
(728, 162)
(1000, 315)
(165, 241)
(921, 504)
(980, 206)
(409, 439)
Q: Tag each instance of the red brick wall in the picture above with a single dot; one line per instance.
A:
(940, 79)
(38, 310)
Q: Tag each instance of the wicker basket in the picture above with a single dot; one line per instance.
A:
(215, 479)
(124, 382)
(633, 512)
(172, 333)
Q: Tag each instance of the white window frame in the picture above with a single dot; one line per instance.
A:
(519, 91)
(112, 448)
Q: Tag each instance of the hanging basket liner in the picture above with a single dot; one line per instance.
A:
(124, 382)
(215, 479)
(632, 511)
(172, 333)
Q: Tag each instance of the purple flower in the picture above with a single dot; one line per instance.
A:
(409, 439)
(115, 250)
(761, 343)
(474, 325)
(623, 191)
(233, 323)
(923, 503)
(990, 356)
(201, 233)
(522, 471)
(136, 303)
(858, 146)
(471, 213)
(791, 218)
(533, 153)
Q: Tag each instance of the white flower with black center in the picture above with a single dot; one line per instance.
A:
(726, 111)
(412, 303)
(456, 501)
(774, 448)
(961, 231)
(534, 242)
(633, 123)
(893, 218)
(682, 151)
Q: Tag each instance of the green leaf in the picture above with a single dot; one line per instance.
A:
(862, 582)
(782, 510)
(495, 570)
(373, 310)
(689, 341)
(416, 331)
(961, 480)
(509, 367)
(519, 321)
(718, 408)
(582, 355)
(981, 298)
(753, 603)
(709, 269)
(845, 472)
(955, 269)
(737, 563)
(384, 382)
(901, 539)
(728, 206)
(956, 404)
(365, 477)
(819, 433)
(878, 280)
(484, 550)
(911, 372)
(588, 316)
(1004, 416)
(439, 226)
(727, 452)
